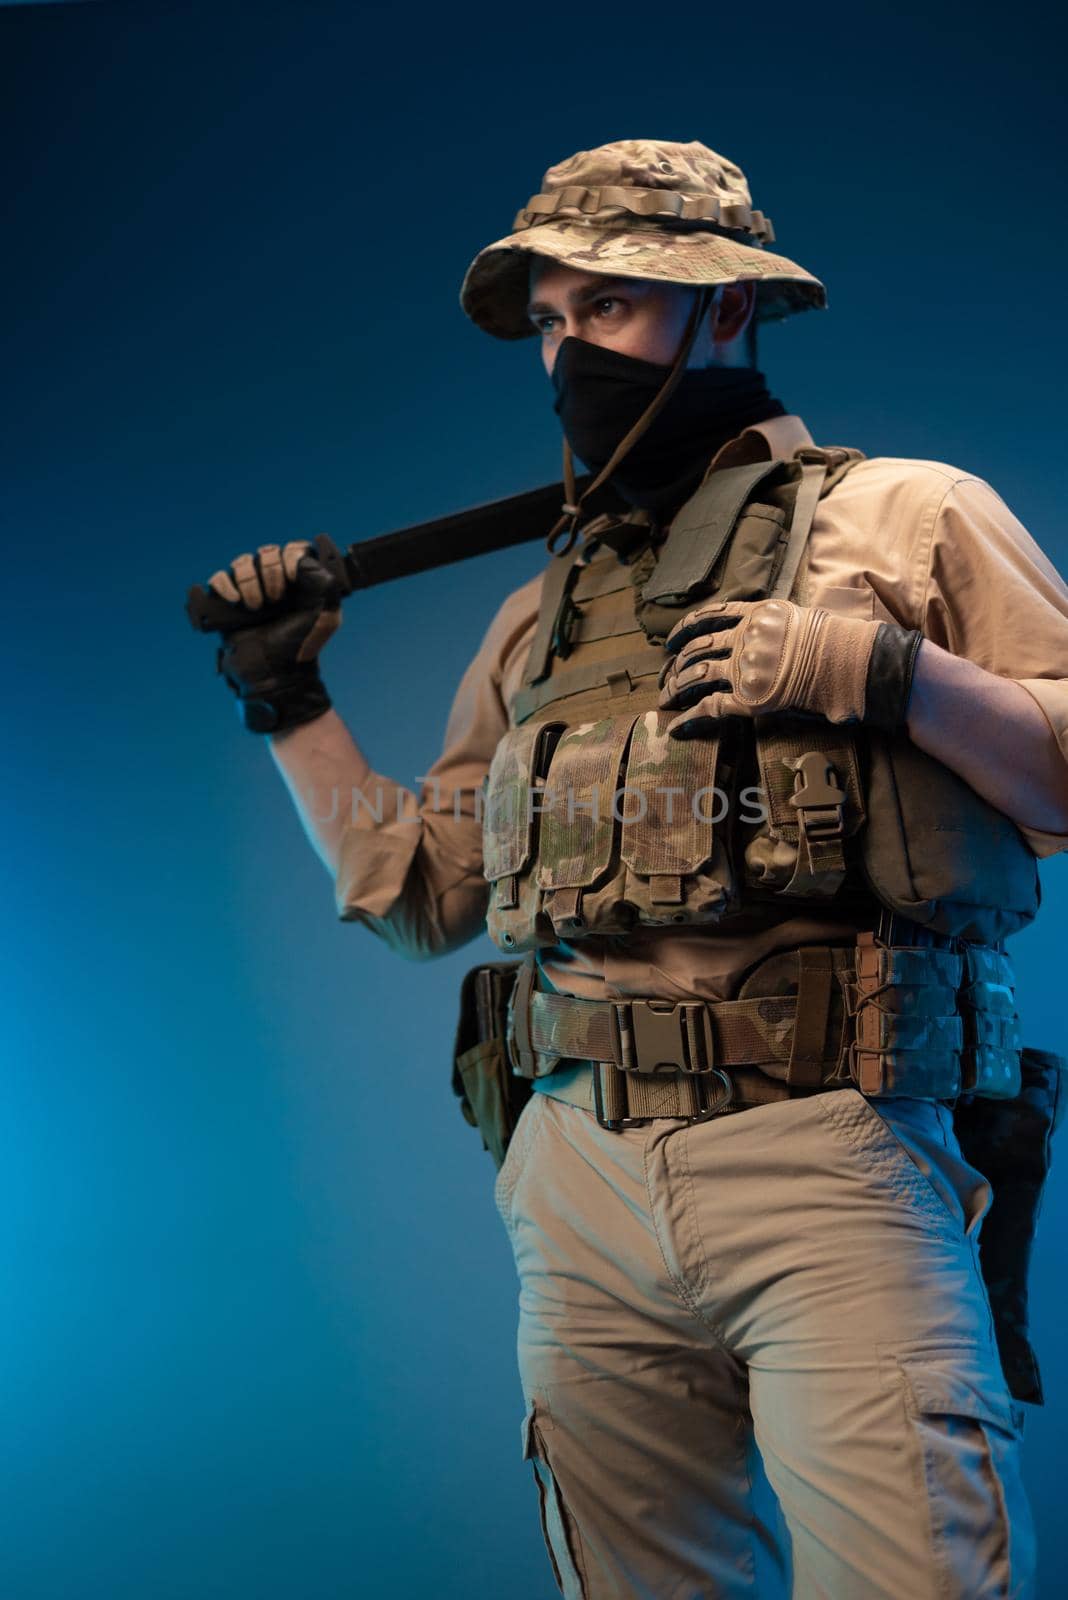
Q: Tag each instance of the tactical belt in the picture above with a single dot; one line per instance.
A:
(922, 1023)
(659, 1058)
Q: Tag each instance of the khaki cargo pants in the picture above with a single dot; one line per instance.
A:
(802, 1277)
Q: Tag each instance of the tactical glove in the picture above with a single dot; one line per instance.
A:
(746, 658)
(272, 666)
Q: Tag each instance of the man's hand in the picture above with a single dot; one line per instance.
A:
(272, 666)
(747, 658)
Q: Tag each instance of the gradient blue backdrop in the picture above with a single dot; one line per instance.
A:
(258, 1329)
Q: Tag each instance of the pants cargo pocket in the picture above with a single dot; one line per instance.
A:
(968, 1445)
(561, 1535)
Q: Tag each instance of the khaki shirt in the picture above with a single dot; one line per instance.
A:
(913, 542)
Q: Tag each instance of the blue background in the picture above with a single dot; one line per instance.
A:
(258, 1330)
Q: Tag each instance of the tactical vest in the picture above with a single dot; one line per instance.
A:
(595, 821)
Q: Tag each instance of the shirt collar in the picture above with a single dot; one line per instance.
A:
(764, 441)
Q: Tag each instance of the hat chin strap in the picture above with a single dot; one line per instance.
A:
(572, 509)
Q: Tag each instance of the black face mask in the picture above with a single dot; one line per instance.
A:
(600, 395)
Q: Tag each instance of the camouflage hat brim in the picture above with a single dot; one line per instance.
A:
(495, 289)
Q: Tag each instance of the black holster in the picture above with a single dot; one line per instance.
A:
(1009, 1142)
(491, 1094)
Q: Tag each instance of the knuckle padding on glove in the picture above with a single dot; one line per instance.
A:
(764, 669)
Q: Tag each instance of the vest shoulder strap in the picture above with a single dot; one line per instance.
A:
(560, 576)
(813, 474)
(820, 471)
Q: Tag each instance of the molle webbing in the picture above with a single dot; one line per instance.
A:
(909, 1033)
(601, 578)
(613, 618)
(617, 676)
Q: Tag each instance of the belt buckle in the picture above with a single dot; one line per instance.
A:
(665, 1036)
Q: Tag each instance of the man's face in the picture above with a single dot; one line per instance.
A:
(635, 316)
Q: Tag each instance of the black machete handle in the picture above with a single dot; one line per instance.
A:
(495, 526)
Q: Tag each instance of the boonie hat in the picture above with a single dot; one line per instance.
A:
(638, 208)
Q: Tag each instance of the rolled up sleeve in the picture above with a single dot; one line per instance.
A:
(994, 597)
(410, 865)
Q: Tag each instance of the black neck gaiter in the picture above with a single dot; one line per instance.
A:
(600, 395)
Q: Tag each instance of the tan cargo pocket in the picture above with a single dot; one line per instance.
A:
(967, 1435)
(561, 1536)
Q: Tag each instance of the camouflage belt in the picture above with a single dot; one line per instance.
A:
(663, 1058)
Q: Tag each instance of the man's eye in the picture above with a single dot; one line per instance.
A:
(611, 302)
(544, 324)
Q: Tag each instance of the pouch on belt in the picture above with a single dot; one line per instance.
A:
(491, 1095)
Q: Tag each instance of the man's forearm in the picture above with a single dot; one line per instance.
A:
(993, 734)
(321, 764)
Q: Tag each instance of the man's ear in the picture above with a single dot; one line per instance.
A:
(731, 313)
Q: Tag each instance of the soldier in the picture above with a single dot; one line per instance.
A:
(770, 750)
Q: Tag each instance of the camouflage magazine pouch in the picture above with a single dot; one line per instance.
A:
(1009, 1142)
(491, 1095)
(908, 1033)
